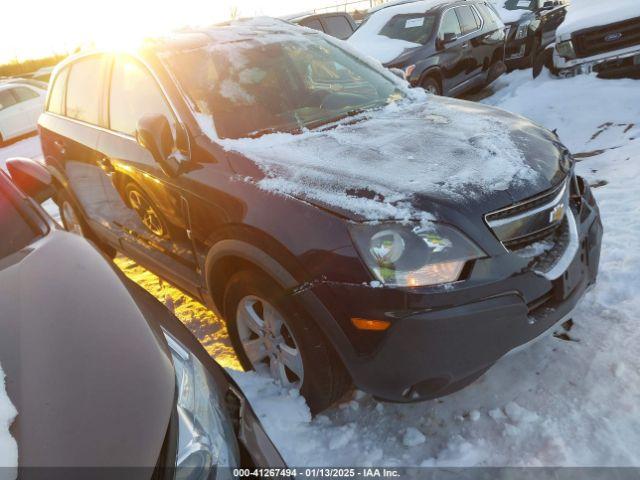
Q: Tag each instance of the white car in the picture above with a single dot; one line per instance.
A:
(20, 106)
(601, 37)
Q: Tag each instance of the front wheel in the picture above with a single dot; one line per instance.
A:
(431, 85)
(272, 334)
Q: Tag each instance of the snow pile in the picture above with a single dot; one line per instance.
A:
(556, 403)
(593, 13)
(368, 40)
(8, 446)
(511, 16)
(373, 164)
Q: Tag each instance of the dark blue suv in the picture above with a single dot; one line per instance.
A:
(347, 227)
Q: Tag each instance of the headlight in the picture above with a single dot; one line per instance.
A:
(565, 49)
(409, 257)
(523, 30)
(206, 439)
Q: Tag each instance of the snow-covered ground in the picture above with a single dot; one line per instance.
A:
(8, 447)
(557, 403)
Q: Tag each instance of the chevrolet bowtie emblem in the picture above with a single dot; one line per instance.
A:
(556, 214)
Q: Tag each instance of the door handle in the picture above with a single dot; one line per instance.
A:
(106, 165)
(60, 147)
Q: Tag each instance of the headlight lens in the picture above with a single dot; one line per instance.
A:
(523, 30)
(565, 49)
(399, 255)
(206, 439)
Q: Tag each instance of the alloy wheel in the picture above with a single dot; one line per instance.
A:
(268, 342)
(146, 212)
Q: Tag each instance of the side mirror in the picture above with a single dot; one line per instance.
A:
(32, 178)
(154, 133)
(548, 5)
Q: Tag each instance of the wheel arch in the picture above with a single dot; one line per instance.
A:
(432, 72)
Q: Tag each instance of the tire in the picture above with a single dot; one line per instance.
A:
(432, 85)
(149, 215)
(290, 346)
(73, 221)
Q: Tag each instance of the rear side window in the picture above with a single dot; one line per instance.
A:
(468, 20)
(134, 93)
(56, 97)
(312, 23)
(6, 99)
(23, 94)
(84, 89)
(338, 26)
(450, 24)
(416, 28)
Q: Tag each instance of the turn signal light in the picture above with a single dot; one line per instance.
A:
(366, 324)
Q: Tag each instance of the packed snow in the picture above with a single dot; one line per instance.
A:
(593, 13)
(8, 445)
(367, 38)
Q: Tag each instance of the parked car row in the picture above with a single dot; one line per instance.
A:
(409, 34)
(391, 239)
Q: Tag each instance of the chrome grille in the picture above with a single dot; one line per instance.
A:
(532, 220)
(608, 38)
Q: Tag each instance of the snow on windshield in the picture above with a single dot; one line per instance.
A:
(593, 13)
(374, 164)
(368, 40)
(8, 446)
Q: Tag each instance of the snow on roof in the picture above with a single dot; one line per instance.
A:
(422, 144)
(368, 40)
(592, 13)
(508, 16)
(8, 445)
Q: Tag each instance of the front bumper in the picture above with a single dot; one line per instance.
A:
(618, 63)
(442, 340)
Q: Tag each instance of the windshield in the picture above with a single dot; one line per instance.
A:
(414, 28)
(521, 4)
(256, 86)
(17, 233)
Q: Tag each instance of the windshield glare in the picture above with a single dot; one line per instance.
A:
(251, 87)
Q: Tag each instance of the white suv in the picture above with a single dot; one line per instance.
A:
(595, 36)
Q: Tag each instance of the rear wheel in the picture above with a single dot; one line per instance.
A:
(272, 334)
(432, 85)
(74, 222)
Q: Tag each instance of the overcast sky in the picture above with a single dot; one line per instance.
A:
(34, 28)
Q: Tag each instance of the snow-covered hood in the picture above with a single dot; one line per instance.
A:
(394, 163)
(91, 381)
(594, 13)
(510, 16)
